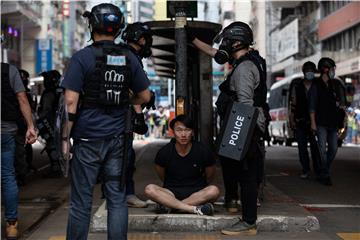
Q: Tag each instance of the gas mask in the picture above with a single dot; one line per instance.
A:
(224, 54)
(145, 50)
(309, 75)
(331, 73)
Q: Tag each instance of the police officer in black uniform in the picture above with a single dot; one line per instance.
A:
(246, 83)
(97, 85)
(46, 112)
(138, 37)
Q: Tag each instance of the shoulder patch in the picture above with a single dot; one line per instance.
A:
(116, 60)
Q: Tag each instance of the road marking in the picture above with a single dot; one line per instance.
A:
(329, 206)
(57, 238)
(349, 236)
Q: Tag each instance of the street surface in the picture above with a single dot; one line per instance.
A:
(43, 201)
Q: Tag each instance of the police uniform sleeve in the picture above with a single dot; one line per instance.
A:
(75, 74)
(139, 81)
(15, 80)
(244, 80)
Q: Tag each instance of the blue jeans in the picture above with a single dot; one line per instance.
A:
(89, 158)
(303, 136)
(9, 188)
(329, 136)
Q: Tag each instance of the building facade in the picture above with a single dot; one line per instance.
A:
(300, 31)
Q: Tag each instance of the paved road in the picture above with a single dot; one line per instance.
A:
(336, 207)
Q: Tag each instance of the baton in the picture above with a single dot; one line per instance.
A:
(127, 138)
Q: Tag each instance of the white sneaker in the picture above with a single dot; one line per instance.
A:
(135, 202)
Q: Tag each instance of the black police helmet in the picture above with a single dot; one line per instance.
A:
(51, 79)
(105, 18)
(308, 66)
(24, 74)
(237, 31)
(325, 63)
(133, 32)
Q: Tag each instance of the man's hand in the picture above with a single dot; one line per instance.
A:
(151, 103)
(66, 149)
(30, 136)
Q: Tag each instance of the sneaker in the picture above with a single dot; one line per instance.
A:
(232, 206)
(161, 209)
(135, 202)
(206, 209)
(11, 230)
(241, 228)
(304, 176)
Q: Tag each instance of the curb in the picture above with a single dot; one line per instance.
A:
(188, 222)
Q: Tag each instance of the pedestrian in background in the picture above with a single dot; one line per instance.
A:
(109, 78)
(14, 105)
(300, 119)
(326, 115)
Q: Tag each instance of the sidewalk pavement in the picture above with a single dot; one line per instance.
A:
(278, 212)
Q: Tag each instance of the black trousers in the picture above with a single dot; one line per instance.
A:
(248, 174)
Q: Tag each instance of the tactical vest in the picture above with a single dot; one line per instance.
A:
(10, 110)
(260, 91)
(108, 85)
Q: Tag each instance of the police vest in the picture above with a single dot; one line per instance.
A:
(108, 85)
(10, 110)
(259, 93)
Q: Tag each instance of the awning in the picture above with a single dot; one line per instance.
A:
(163, 50)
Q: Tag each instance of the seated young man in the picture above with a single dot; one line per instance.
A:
(186, 167)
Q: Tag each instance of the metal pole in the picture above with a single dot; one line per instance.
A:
(182, 99)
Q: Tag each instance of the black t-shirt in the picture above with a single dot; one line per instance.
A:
(188, 171)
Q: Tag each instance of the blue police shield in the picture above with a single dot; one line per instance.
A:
(62, 136)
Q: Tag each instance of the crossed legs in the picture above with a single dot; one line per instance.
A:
(167, 198)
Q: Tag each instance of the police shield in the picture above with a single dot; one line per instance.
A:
(62, 136)
(237, 130)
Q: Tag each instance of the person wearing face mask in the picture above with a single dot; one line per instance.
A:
(246, 83)
(300, 119)
(138, 37)
(324, 115)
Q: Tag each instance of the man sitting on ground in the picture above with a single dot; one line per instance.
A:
(185, 168)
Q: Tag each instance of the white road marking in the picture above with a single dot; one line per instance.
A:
(330, 205)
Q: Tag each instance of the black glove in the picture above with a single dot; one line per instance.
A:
(151, 103)
(140, 126)
(189, 34)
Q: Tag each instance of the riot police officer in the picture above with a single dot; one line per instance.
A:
(97, 85)
(138, 37)
(46, 112)
(246, 83)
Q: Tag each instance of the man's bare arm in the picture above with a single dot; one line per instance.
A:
(26, 112)
(71, 101)
(206, 48)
